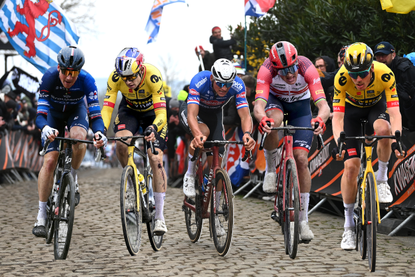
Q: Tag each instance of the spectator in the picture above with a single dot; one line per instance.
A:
(404, 72)
(239, 70)
(221, 48)
(7, 110)
(410, 56)
(325, 64)
(207, 58)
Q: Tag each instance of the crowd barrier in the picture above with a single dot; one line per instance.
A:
(19, 153)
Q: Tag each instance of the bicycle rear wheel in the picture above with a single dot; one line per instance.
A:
(155, 240)
(292, 209)
(131, 213)
(66, 215)
(221, 221)
(193, 217)
(371, 221)
(49, 220)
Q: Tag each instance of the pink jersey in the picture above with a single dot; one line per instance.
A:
(308, 83)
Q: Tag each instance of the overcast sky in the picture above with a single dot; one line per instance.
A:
(182, 28)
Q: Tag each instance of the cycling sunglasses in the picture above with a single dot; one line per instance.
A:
(67, 72)
(130, 77)
(291, 69)
(221, 85)
(361, 74)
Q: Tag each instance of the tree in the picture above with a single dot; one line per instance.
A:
(322, 27)
(80, 12)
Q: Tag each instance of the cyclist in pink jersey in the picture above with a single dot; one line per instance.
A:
(285, 84)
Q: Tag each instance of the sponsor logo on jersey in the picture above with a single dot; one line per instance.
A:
(237, 86)
(316, 81)
(242, 94)
(260, 81)
(352, 152)
(93, 95)
(193, 92)
(201, 82)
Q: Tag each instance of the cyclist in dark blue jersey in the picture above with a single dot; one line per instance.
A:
(68, 98)
(201, 115)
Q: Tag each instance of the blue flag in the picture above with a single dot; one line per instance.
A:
(154, 20)
(37, 31)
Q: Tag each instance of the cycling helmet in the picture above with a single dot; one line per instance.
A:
(358, 57)
(283, 54)
(223, 71)
(71, 57)
(129, 61)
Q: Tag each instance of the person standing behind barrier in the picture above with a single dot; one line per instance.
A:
(143, 105)
(363, 89)
(404, 72)
(61, 102)
(285, 84)
(207, 58)
(221, 48)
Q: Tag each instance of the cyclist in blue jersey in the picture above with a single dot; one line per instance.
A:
(68, 97)
(201, 115)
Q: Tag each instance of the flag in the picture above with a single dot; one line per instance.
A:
(154, 20)
(398, 6)
(37, 31)
(258, 8)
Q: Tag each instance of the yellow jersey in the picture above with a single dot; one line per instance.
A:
(148, 98)
(383, 80)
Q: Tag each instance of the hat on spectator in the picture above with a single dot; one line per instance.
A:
(11, 104)
(215, 28)
(239, 69)
(200, 48)
(174, 103)
(384, 47)
(410, 56)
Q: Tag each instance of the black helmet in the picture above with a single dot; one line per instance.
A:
(71, 57)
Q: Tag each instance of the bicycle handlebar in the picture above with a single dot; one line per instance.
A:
(132, 142)
(220, 143)
(372, 139)
(100, 153)
(291, 130)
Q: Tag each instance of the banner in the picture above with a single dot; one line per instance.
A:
(258, 8)
(398, 6)
(22, 81)
(37, 31)
(154, 20)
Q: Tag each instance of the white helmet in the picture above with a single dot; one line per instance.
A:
(223, 71)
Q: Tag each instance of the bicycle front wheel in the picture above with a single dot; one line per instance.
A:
(155, 240)
(292, 209)
(65, 211)
(193, 216)
(221, 213)
(131, 211)
(371, 221)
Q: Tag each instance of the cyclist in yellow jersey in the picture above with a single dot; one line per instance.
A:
(363, 89)
(142, 105)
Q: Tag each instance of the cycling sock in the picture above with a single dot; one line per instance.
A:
(190, 166)
(305, 198)
(382, 174)
(218, 194)
(348, 215)
(42, 210)
(271, 159)
(159, 198)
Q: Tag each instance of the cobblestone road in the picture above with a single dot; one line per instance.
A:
(98, 249)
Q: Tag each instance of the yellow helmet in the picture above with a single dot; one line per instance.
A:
(358, 57)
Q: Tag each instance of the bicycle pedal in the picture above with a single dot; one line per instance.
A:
(304, 241)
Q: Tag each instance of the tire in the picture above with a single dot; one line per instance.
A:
(223, 211)
(361, 229)
(50, 220)
(65, 218)
(371, 221)
(131, 215)
(292, 209)
(155, 241)
(193, 216)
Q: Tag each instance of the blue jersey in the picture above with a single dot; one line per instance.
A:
(54, 96)
(201, 93)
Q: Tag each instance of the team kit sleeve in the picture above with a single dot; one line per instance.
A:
(196, 86)
(388, 79)
(159, 99)
(110, 98)
(264, 80)
(43, 107)
(312, 78)
(340, 82)
(94, 110)
(240, 91)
